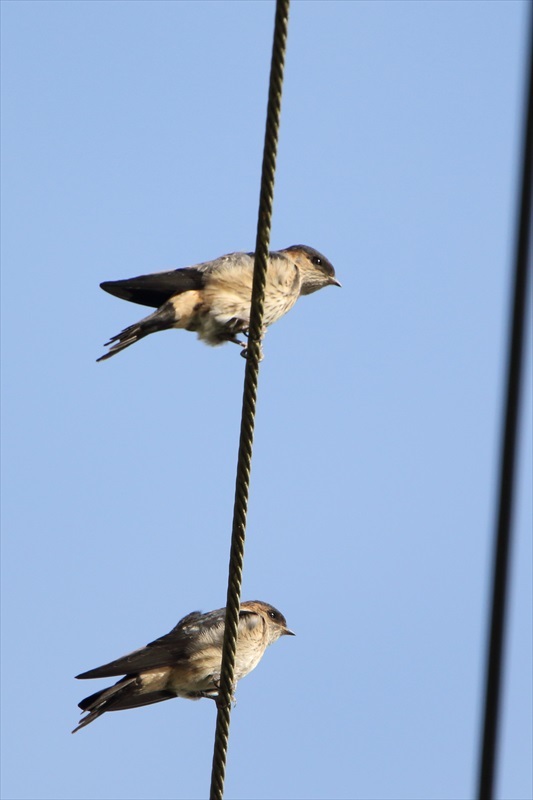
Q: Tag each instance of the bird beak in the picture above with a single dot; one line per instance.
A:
(288, 632)
(334, 282)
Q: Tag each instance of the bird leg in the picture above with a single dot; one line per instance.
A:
(233, 700)
(208, 695)
(234, 340)
(246, 332)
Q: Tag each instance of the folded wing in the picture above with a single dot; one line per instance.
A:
(154, 290)
(173, 648)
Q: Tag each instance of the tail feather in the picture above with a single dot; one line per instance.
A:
(105, 700)
(160, 320)
(130, 692)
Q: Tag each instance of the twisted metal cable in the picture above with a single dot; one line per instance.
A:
(244, 460)
(503, 525)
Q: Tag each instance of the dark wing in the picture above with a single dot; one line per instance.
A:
(168, 650)
(172, 648)
(154, 290)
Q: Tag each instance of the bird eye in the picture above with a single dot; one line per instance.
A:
(272, 615)
(318, 261)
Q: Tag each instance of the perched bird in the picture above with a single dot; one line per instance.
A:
(214, 298)
(185, 662)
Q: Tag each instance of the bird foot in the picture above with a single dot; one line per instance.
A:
(221, 704)
(244, 353)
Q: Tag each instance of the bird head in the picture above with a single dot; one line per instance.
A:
(316, 270)
(274, 621)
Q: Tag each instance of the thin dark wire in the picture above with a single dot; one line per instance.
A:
(502, 546)
(244, 459)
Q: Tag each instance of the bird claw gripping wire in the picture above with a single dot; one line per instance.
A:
(220, 702)
(244, 352)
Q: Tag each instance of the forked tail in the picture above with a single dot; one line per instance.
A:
(160, 320)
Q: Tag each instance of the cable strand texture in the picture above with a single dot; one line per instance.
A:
(244, 459)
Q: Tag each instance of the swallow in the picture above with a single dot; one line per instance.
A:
(185, 662)
(213, 299)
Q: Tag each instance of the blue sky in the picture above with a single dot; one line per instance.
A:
(132, 137)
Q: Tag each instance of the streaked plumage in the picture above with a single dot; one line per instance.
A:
(185, 662)
(214, 298)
